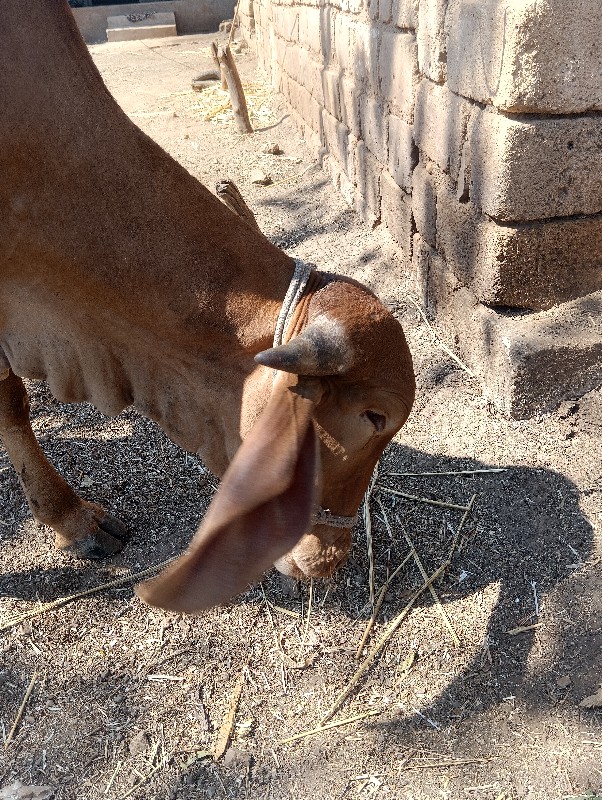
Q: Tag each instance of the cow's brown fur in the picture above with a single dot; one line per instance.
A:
(123, 281)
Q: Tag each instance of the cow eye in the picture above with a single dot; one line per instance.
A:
(378, 420)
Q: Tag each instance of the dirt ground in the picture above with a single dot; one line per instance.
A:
(128, 701)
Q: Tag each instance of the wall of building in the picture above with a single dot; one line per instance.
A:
(472, 130)
(192, 16)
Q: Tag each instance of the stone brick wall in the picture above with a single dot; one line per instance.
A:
(472, 130)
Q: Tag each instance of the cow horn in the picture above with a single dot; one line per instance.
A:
(322, 349)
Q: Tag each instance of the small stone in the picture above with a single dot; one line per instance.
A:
(236, 759)
(567, 409)
(207, 75)
(18, 791)
(563, 682)
(205, 80)
(273, 148)
(138, 743)
(259, 177)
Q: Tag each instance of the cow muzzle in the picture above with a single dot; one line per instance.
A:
(318, 554)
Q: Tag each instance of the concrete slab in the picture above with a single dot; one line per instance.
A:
(145, 25)
(529, 363)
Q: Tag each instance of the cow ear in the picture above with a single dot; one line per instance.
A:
(262, 508)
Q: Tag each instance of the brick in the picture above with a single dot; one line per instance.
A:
(379, 9)
(372, 120)
(121, 29)
(402, 153)
(310, 35)
(433, 281)
(289, 58)
(527, 57)
(310, 75)
(344, 42)
(336, 139)
(531, 363)
(339, 179)
(246, 7)
(432, 47)
(539, 168)
(367, 197)
(350, 105)
(306, 106)
(396, 213)
(404, 14)
(424, 204)
(531, 266)
(322, 36)
(365, 43)
(331, 94)
(286, 23)
(353, 6)
(398, 70)
(383, 10)
(440, 125)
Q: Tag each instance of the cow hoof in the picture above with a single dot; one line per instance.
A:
(98, 534)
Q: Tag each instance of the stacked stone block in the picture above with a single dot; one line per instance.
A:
(472, 130)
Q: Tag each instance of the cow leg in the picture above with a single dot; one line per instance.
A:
(80, 527)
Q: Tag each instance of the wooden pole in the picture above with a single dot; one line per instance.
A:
(214, 52)
(237, 96)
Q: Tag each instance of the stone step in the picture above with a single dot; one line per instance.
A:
(149, 25)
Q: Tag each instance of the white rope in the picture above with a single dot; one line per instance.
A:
(323, 516)
(291, 299)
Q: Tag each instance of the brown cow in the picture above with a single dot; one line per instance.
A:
(123, 281)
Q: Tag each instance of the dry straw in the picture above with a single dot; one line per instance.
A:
(130, 577)
(396, 622)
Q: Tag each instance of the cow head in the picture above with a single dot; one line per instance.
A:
(344, 387)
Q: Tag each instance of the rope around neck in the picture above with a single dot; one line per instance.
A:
(291, 299)
(301, 276)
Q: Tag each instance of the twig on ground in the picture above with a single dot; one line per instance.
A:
(21, 709)
(434, 594)
(113, 776)
(368, 527)
(390, 630)
(231, 33)
(309, 605)
(227, 726)
(440, 503)
(453, 762)
(130, 577)
(456, 538)
(141, 782)
(395, 623)
(293, 177)
(524, 628)
(437, 339)
(237, 94)
(336, 724)
(379, 602)
(437, 474)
